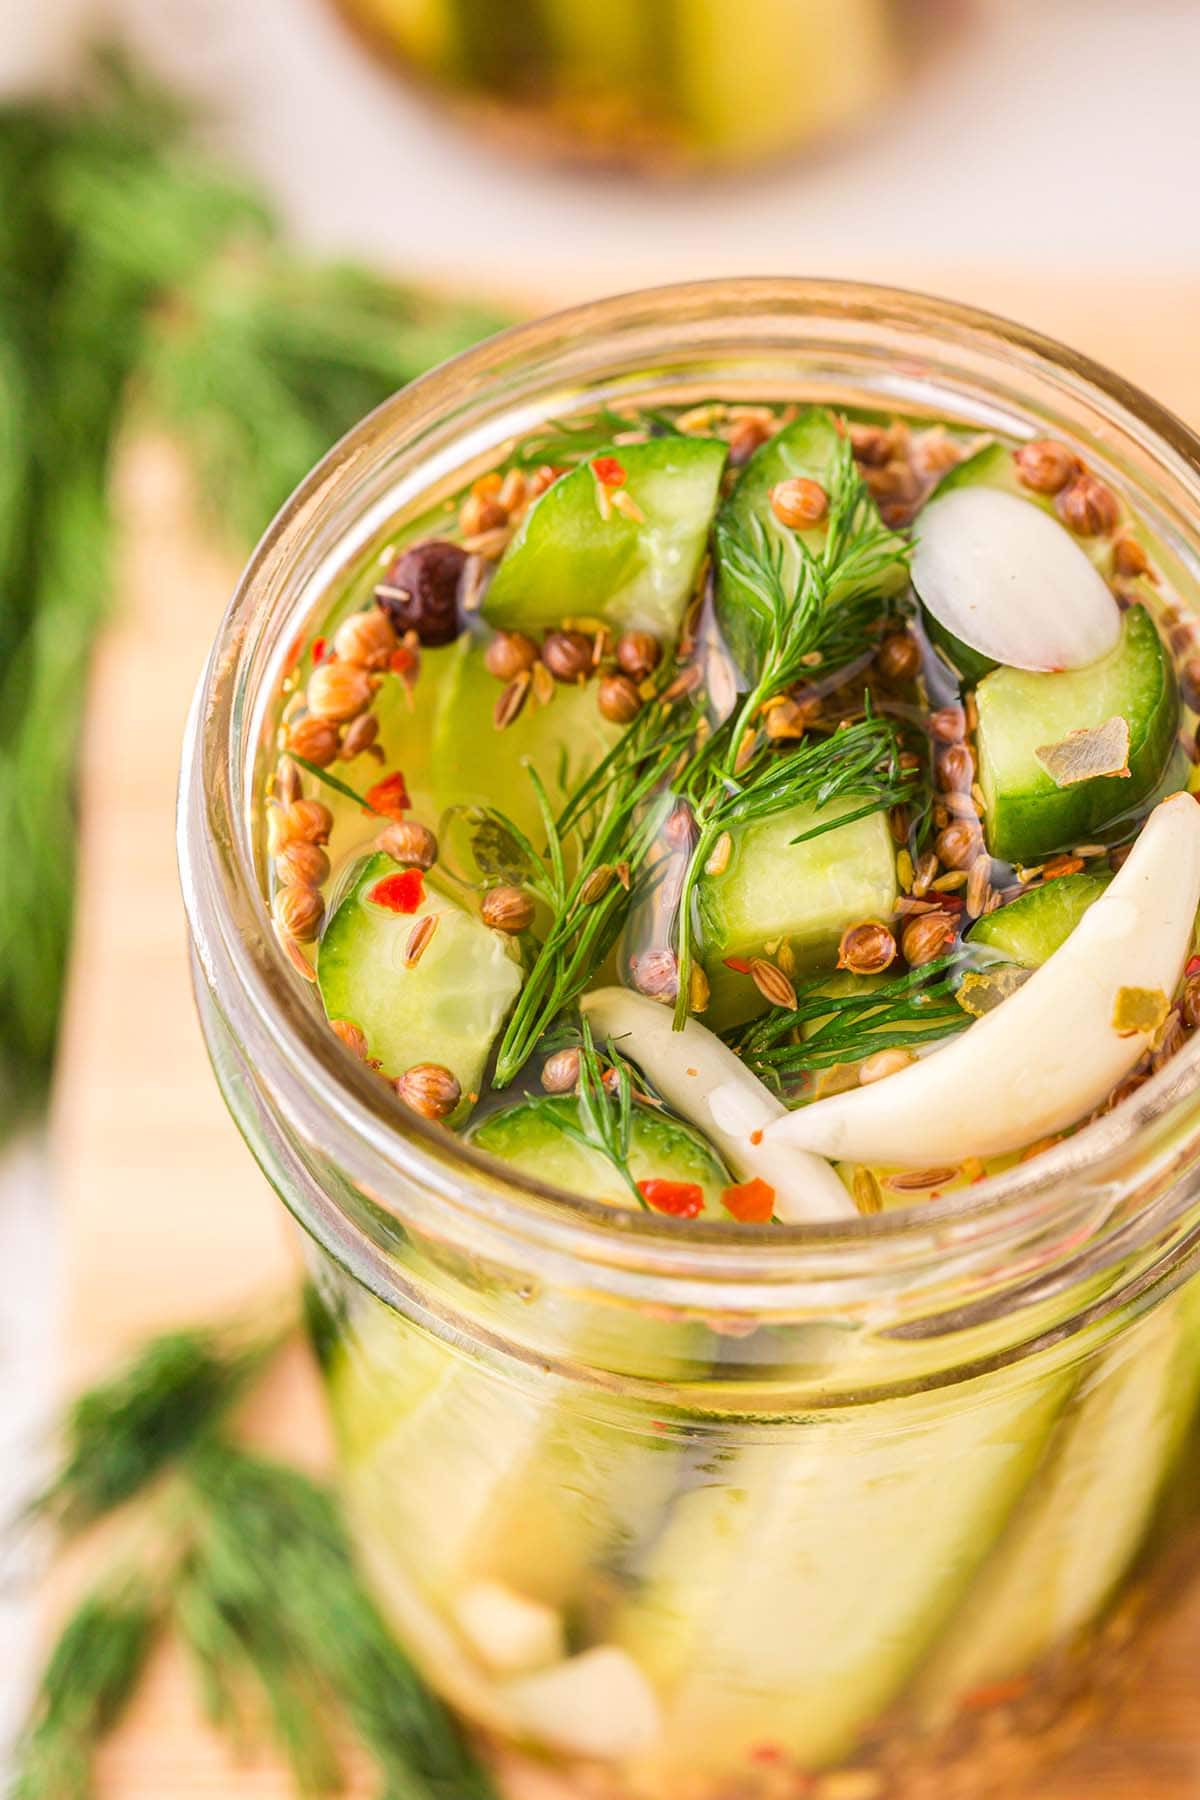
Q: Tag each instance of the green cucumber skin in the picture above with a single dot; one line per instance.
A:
(567, 561)
(1032, 927)
(531, 1137)
(410, 1015)
(969, 665)
(807, 447)
(1026, 816)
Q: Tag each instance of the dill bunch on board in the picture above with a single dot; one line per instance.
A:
(245, 1561)
(133, 269)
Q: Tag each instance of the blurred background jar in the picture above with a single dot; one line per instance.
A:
(657, 86)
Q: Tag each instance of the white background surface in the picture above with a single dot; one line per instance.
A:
(1052, 134)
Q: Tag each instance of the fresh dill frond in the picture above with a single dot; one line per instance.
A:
(86, 1685)
(897, 1013)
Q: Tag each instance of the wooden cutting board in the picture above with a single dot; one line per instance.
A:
(164, 1216)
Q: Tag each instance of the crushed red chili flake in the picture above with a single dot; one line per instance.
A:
(608, 471)
(390, 796)
(402, 892)
(1192, 966)
(682, 1199)
(738, 964)
(750, 1202)
(318, 650)
(402, 661)
(767, 1753)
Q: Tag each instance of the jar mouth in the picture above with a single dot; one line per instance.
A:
(356, 1119)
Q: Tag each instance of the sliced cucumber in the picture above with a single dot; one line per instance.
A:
(1026, 816)
(447, 1008)
(789, 1600)
(568, 561)
(808, 447)
(474, 764)
(1083, 1519)
(805, 895)
(534, 1136)
(1031, 928)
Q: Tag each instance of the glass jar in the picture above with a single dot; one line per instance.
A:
(663, 87)
(699, 1509)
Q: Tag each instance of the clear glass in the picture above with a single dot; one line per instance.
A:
(879, 1498)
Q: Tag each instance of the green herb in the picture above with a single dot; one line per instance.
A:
(897, 1013)
(565, 442)
(609, 823)
(606, 1120)
(85, 1687)
(248, 1561)
(333, 781)
(129, 266)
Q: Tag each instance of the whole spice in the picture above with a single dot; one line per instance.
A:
(699, 991)
(306, 822)
(298, 911)
(511, 702)
(560, 1072)
(359, 737)
(788, 719)
(420, 591)
(866, 949)
(1088, 507)
(926, 937)
(508, 654)
(418, 938)
(948, 724)
(507, 909)
(772, 983)
(745, 438)
(898, 657)
(301, 864)
(429, 1089)
(656, 974)
(1191, 1002)
(799, 502)
(959, 844)
(638, 654)
(338, 691)
(955, 768)
(479, 513)
(1129, 558)
(1045, 465)
(568, 655)
(871, 444)
(718, 860)
(316, 740)
(410, 843)
(365, 638)
(619, 699)
(352, 1036)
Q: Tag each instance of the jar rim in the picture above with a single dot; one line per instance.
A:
(233, 940)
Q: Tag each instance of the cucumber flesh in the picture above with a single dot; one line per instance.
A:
(532, 1137)
(790, 1601)
(810, 446)
(567, 560)
(1030, 928)
(474, 764)
(1026, 816)
(1081, 1524)
(805, 895)
(447, 1008)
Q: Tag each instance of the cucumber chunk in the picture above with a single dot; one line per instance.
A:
(805, 895)
(789, 1602)
(1031, 928)
(447, 1008)
(533, 1137)
(808, 447)
(475, 764)
(1026, 816)
(567, 561)
(1084, 1517)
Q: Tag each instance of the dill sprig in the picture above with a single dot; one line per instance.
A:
(897, 1013)
(335, 784)
(605, 1118)
(608, 824)
(248, 1561)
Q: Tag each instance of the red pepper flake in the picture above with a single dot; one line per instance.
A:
(767, 1754)
(995, 1693)
(402, 892)
(1192, 966)
(403, 661)
(318, 650)
(750, 1202)
(738, 964)
(951, 902)
(756, 1136)
(608, 471)
(390, 796)
(682, 1199)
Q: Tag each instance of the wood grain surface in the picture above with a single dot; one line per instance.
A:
(164, 1215)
